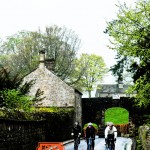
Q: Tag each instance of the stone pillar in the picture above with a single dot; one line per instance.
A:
(78, 106)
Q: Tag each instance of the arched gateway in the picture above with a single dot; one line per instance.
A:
(93, 110)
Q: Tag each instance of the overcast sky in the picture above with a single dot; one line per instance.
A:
(86, 17)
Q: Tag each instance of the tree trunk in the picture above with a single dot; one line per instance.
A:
(89, 93)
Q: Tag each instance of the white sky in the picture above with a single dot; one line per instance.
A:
(86, 17)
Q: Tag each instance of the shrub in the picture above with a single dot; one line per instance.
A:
(14, 100)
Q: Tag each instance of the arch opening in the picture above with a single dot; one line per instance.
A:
(120, 118)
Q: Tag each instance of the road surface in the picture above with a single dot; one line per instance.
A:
(121, 144)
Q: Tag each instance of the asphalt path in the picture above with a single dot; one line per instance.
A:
(121, 144)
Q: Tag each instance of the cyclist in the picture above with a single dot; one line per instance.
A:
(90, 132)
(110, 132)
(107, 124)
(76, 131)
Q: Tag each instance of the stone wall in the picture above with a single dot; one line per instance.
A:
(78, 107)
(144, 137)
(56, 92)
(21, 135)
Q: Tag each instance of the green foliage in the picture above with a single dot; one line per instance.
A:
(142, 139)
(8, 81)
(94, 68)
(54, 109)
(117, 115)
(130, 34)
(13, 94)
(14, 100)
(139, 145)
(146, 119)
(35, 113)
(142, 87)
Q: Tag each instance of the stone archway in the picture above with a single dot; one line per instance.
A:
(93, 110)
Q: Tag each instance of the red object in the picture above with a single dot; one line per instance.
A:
(50, 146)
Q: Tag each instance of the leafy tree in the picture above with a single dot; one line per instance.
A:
(20, 52)
(93, 70)
(13, 94)
(130, 34)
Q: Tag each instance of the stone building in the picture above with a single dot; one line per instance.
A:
(56, 92)
(113, 90)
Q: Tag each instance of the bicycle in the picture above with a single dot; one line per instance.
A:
(110, 145)
(76, 142)
(90, 144)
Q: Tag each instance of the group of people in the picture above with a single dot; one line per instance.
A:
(90, 131)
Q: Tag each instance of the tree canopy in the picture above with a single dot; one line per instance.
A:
(20, 52)
(94, 69)
(130, 34)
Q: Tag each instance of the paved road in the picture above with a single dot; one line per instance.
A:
(121, 144)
